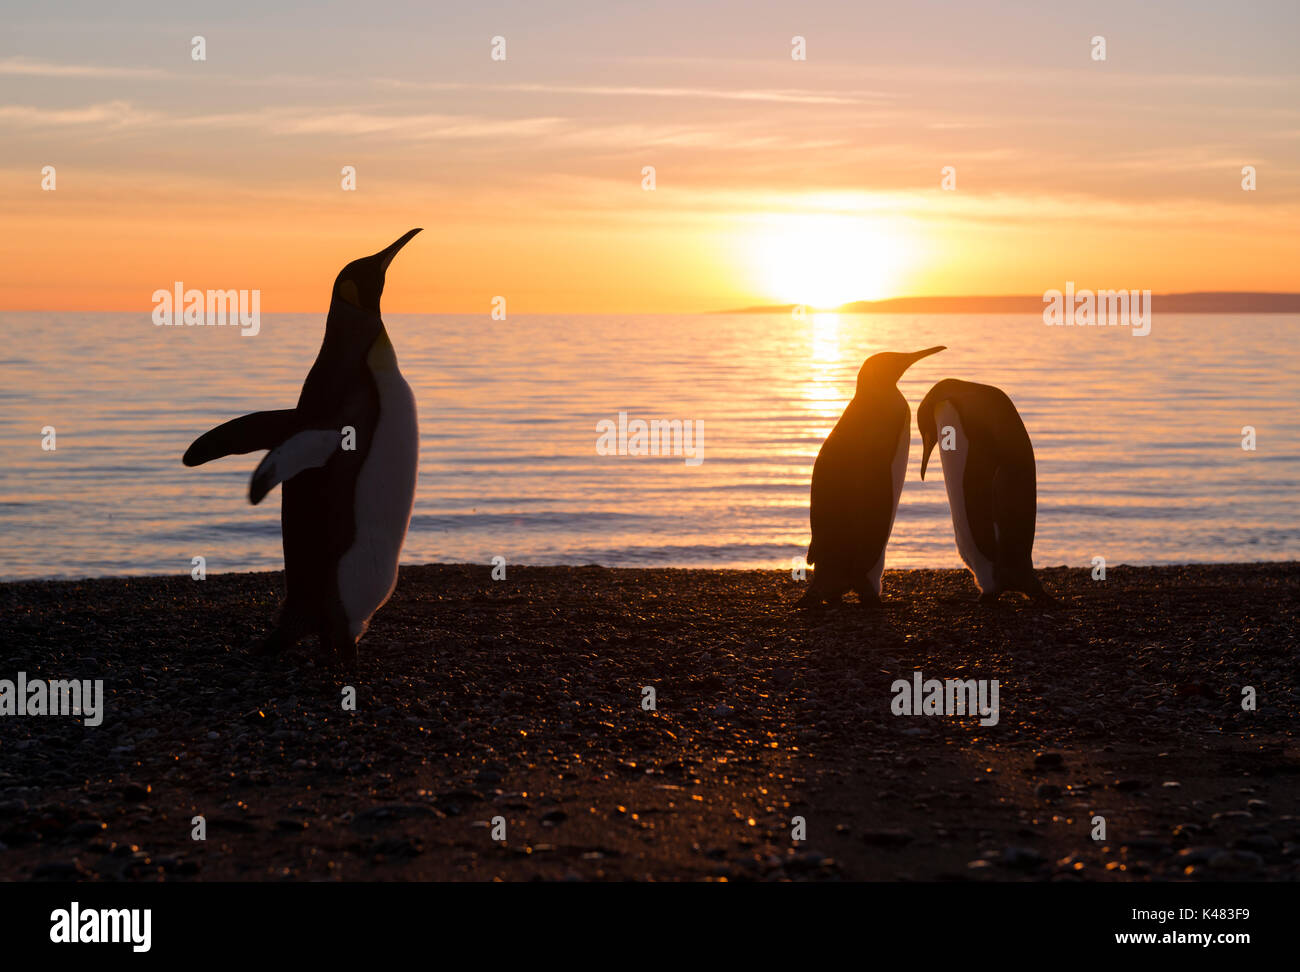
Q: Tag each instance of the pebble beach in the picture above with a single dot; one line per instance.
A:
(502, 730)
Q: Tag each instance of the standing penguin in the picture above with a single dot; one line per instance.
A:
(856, 482)
(347, 455)
(988, 469)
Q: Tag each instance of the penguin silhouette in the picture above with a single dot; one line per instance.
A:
(856, 482)
(989, 472)
(347, 456)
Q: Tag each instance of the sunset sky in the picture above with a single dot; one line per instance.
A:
(777, 180)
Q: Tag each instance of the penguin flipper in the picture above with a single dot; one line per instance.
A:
(248, 433)
(309, 449)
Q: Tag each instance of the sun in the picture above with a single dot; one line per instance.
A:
(825, 260)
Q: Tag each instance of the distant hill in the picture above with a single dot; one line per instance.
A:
(1204, 302)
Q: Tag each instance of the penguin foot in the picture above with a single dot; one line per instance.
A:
(339, 646)
(818, 597)
(348, 654)
(989, 598)
(272, 644)
(870, 602)
(811, 601)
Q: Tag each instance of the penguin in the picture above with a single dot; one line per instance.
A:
(856, 482)
(347, 455)
(988, 469)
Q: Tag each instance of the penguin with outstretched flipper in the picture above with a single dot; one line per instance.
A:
(347, 456)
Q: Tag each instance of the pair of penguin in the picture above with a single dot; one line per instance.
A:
(988, 469)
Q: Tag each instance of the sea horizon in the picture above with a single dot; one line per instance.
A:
(1258, 302)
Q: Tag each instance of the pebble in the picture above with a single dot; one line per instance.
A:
(887, 838)
(1236, 860)
(1022, 858)
(1256, 842)
(1233, 815)
(60, 871)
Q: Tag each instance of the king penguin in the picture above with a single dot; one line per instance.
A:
(347, 456)
(988, 469)
(856, 482)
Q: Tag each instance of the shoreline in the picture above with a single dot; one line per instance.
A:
(784, 571)
(522, 699)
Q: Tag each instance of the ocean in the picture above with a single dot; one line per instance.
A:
(1138, 439)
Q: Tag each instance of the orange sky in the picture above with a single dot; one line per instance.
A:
(777, 180)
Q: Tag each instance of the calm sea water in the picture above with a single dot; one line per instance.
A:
(1138, 439)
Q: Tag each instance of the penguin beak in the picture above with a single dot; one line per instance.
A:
(386, 255)
(907, 360)
(916, 356)
(925, 456)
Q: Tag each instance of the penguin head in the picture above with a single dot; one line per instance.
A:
(884, 369)
(361, 282)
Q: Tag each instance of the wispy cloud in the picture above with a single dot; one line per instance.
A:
(285, 121)
(779, 96)
(29, 67)
(423, 126)
(107, 114)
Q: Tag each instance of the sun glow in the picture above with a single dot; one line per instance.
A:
(826, 260)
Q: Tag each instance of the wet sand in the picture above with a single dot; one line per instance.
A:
(521, 699)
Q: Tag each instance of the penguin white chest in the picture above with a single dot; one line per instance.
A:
(953, 449)
(898, 473)
(385, 492)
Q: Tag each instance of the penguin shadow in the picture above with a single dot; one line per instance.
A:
(1006, 601)
(816, 603)
(813, 604)
(1017, 592)
(820, 602)
(275, 651)
(846, 635)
